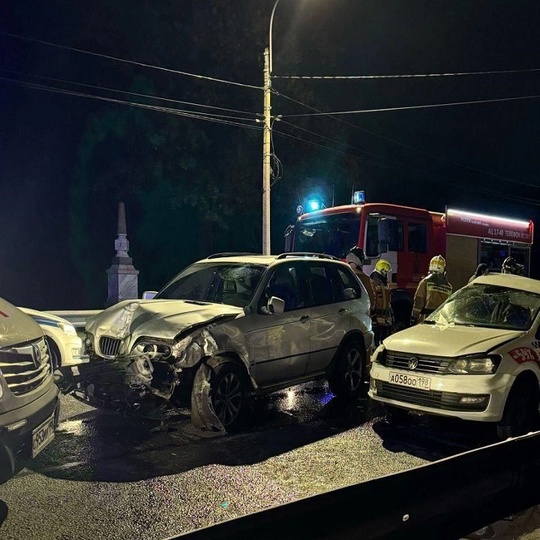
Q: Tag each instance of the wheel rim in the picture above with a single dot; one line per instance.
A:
(353, 372)
(228, 399)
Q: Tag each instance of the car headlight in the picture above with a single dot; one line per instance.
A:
(475, 365)
(152, 350)
(378, 356)
(67, 328)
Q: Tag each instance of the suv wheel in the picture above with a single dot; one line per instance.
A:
(520, 411)
(228, 391)
(348, 374)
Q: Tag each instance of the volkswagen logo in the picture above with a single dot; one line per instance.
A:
(413, 362)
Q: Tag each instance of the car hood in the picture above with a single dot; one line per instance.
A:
(16, 327)
(439, 340)
(157, 318)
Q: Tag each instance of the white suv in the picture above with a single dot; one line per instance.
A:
(226, 328)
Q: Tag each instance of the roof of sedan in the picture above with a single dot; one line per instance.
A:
(510, 280)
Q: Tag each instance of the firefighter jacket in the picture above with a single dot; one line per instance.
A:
(383, 307)
(432, 291)
(368, 284)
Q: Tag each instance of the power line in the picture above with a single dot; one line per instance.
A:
(412, 107)
(408, 75)
(132, 62)
(408, 146)
(126, 92)
(449, 181)
(178, 112)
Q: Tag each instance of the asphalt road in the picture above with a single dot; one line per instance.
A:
(107, 477)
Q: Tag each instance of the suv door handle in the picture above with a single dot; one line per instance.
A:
(304, 318)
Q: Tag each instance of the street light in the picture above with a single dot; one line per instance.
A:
(267, 172)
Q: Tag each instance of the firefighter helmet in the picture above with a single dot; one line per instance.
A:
(383, 267)
(356, 256)
(509, 266)
(437, 265)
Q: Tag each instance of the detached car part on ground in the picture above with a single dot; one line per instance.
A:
(226, 329)
(29, 405)
(476, 357)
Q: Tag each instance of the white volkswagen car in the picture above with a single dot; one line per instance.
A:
(476, 357)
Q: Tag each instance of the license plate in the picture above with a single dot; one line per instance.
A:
(411, 381)
(42, 436)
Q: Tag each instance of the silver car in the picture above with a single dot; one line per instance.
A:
(29, 405)
(227, 328)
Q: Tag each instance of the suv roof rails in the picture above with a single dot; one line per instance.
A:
(307, 254)
(230, 254)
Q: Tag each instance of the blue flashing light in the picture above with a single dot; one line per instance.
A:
(359, 197)
(313, 205)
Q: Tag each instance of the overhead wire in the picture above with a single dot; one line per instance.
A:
(222, 119)
(412, 107)
(126, 92)
(408, 146)
(410, 75)
(127, 61)
(443, 179)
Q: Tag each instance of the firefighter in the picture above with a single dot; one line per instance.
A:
(481, 270)
(384, 318)
(432, 291)
(356, 259)
(510, 266)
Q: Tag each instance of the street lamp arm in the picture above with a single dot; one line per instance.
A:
(270, 35)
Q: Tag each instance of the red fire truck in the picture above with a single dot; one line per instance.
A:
(408, 237)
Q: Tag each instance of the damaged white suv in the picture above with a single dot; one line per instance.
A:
(225, 329)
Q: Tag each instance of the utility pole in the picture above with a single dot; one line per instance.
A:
(266, 249)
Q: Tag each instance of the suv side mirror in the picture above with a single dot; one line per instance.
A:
(148, 295)
(275, 305)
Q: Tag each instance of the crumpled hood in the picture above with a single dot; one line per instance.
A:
(156, 318)
(450, 341)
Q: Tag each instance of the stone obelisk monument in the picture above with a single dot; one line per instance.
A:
(122, 275)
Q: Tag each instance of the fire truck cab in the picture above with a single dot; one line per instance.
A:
(409, 237)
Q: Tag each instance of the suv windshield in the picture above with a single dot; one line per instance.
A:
(489, 306)
(220, 283)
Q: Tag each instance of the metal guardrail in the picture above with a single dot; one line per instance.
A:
(77, 318)
(444, 500)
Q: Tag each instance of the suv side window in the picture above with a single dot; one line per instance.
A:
(321, 291)
(342, 280)
(286, 283)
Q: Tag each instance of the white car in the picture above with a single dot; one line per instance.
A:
(65, 345)
(476, 357)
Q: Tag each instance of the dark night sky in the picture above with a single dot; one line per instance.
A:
(478, 157)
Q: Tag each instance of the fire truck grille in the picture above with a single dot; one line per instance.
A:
(428, 398)
(25, 368)
(109, 346)
(426, 364)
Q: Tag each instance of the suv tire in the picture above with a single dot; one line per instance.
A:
(348, 374)
(229, 395)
